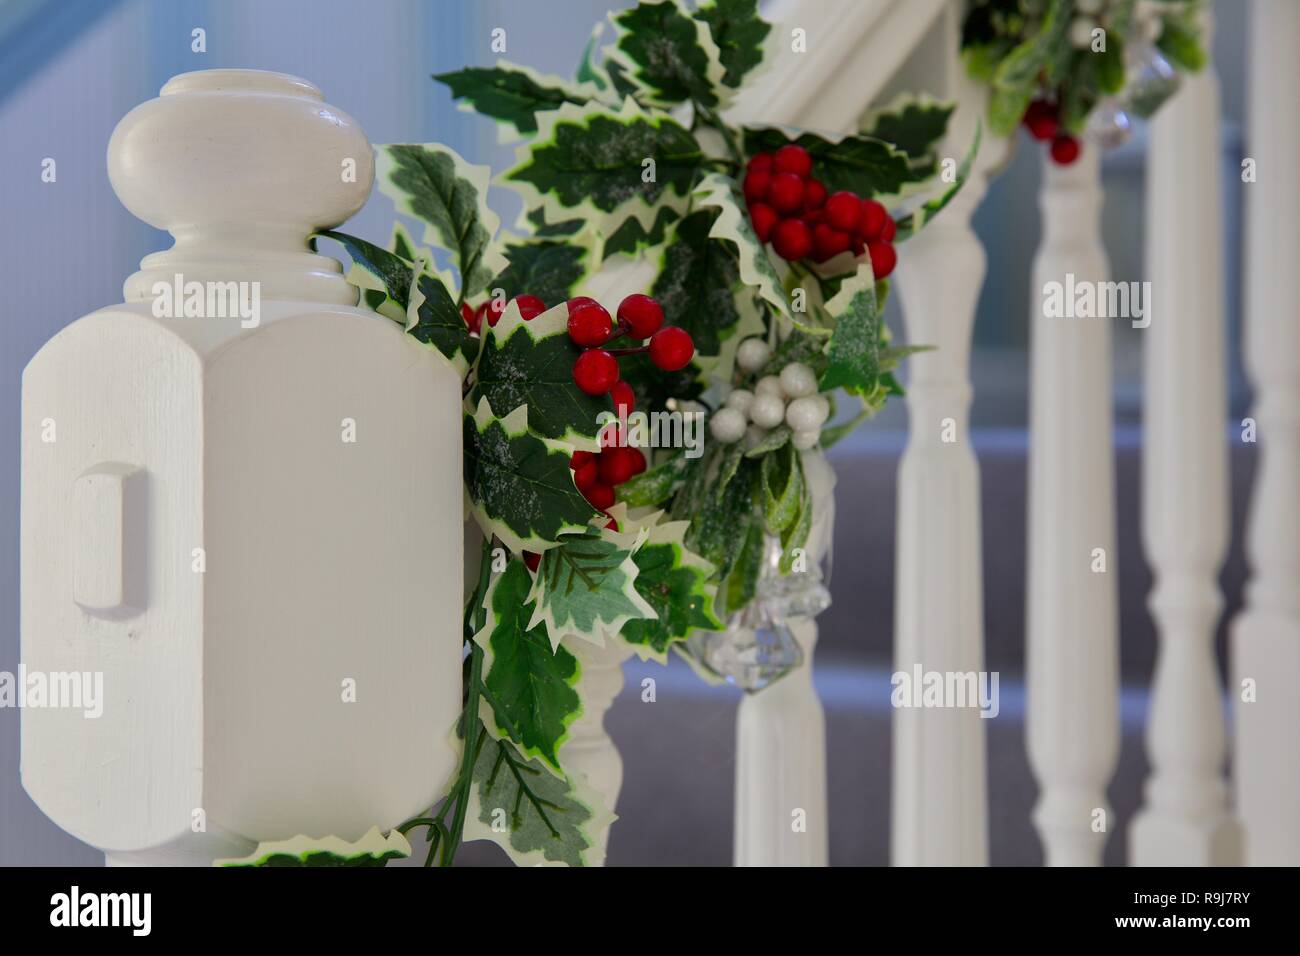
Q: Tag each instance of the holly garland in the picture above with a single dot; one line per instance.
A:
(773, 250)
(1066, 67)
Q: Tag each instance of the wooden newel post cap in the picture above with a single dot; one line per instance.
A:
(241, 166)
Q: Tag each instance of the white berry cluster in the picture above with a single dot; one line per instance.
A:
(790, 397)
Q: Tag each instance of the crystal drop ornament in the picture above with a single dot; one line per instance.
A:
(1151, 81)
(1109, 125)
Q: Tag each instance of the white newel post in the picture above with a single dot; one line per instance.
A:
(590, 751)
(939, 813)
(225, 517)
(1266, 636)
(781, 815)
(1071, 627)
(1185, 819)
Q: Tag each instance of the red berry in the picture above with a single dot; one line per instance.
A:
(580, 458)
(756, 185)
(760, 163)
(600, 496)
(1065, 149)
(764, 217)
(828, 241)
(1041, 120)
(530, 307)
(595, 371)
(792, 239)
(883, 258)
(638, 460)
(890, 231)
(786, 193)
(814, 194)
(858, 246)
(640, 315)
(844, 211)
(616, 466)
(587, 475)
(532, 559)
(873, 220)
(471, 317)
(792, 159)
(624, 398)
(611, 524)
(492, 310)
(671, 349)
(590, 324)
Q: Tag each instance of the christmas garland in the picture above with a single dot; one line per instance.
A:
(772, 250)
(1070, 68)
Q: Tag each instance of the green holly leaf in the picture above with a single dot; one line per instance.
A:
(585, 587)
(674, 582)
(631, 237)
(519, 485)
(654, 486)
(916, 220)
(550, 819)
(426, 309)
(721, 520)
(593, 163)
(530, 679)
(670, 56)
(512, 94)
(739, 32)
(531, 363)
(861, 164)
(547, 268)
(1180, 40)
(697, 283)
(782, 481)
(434, 184)
(914, 125)
(373, 849)
(742, 581)
(853, 358)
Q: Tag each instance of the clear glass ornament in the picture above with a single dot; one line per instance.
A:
(1109, 125)
(755, 650)
(1151, 80)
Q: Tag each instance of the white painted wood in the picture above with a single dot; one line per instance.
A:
(1185, 820)
(323, 565)
(781, 815)
(589, 751)
(1266, 636)
(939, 804)
(1071, 627)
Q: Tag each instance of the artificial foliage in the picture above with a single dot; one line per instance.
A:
(586, 536)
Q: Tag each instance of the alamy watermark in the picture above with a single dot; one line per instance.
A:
(72, 690)
(922, 688)
(179, 299)
(1084, 299)
(673, 429)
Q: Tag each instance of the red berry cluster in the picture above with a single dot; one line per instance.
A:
(791, 209)
(1043, 120)
(639, 318)
(530, 307)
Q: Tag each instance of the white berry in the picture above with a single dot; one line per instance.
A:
(770, 385)
(768, 411)
(803, 440)
(808, 412)
(1081, 32)
(741, 399)
(753, 354)
(727, 425)
(798, 380)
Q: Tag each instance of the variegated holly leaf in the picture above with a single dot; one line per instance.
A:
(547, 268)
(425, 309)
(535, 816)
(373, 849)
(669, 55)
(674, 581)
(631, 237)
(434, 184)
(861, 164)
(585, 587)
(531, 363)
(519, 485)
(739, 33)
(916, 220)
(853, 357)
(605, 165)
(530, 682)
(698, 281)
(915, 125)
(513, 94)
(732, 225)
(589, 71)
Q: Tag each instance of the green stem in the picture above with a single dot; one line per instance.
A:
(712, 119)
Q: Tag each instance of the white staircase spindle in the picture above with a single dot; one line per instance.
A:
(1072, 647)
(589, 751)
(1266, 636)
(1185, 821)
(939, 803)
